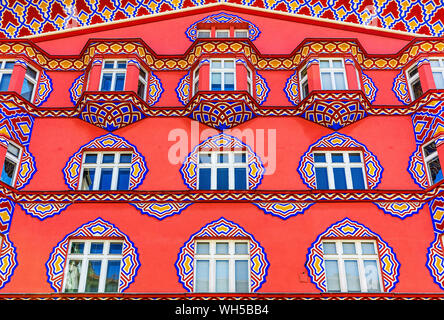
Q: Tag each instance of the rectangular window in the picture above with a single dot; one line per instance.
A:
(432, 163)
(241, 33)
(437, 65)
(414, 82)
(5, 74)
(204, 34)
(352, 266)
(339, 170)
(222, 75)
(142, 84)
(222, 33)
(223, 170)
(10, 166)
(93, 266)
(333, 75)
(29, 84)
(304, 82)
(222, 266)
(106, 171)
(113, 75)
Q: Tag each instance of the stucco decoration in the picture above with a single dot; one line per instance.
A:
(72, 169)
(98, 228)
(348, 229)
(222, 228)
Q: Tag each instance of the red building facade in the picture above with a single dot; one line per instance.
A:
(224, 152)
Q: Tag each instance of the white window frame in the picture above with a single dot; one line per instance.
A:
(412, 79)
(202, 31)
(34, 81)
(212, 257)
(331, 70)
(4, 71)
(223, 71)
(439, 68)
(236, 32)
(231, 165)
(303, 80)
(340, 257)
(429, 158)
(195, 80)
(14, 159)
(219, 31)
(347, 165)
(85, 257)
(98, 166)
(114, 71)
(144, 81)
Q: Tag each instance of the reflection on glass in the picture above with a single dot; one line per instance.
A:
(112, 276)
(93, 276)
(241, 275)
(202, 276)
(73, 276)
(221, 275)
(352, 276)
(371, 275)
(332, 274)
(88, 179)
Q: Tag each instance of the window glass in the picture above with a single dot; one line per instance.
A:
(432, 162)
(332, 74)
(241, 271)
(113, 75)
(221, 247)
(10, 166)
(332, 274)
(222, 74)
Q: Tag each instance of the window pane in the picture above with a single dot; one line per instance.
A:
(229, 64)
(222, 158)
(340, 182)
(240, 158)
(27, 89)
(106, 176)
(4, 83)
(339, 80)
(241, 276)
(371, 276)
(222, 276)
(204, 179)
(203, 248)
(108, 158)
(240, 178)
(222, 248)
(332, 274)
(435, 170)
(73, 276)
(123, 179)
(217, 64)
(9, 65)
(112, 276)
(319, 157)
(203, 34)
(430, 148)
(121, 64)
(337, 158)
(31, 73)
(329, 247)
(109, 65)
(13, 150)
(91, 158)
(202, 276)
(222, 34)
(357, 178)
(321, 178)
(324, 64)
(126, 158)
(222, 179)
(354, 157)
(229, 81)
(204, 158)
(93, 275)
(337, 63)
(417, 89)
(352, 276)
(115, 248)
(8, 171)
(107, 79)
(348, 248)
(326, 81)
(141, 89)
(88, 179)
(434, 62)
(216, 81)
(77, 247)
(241, 34)
(120, 82)
(241, 248)
(438, 76)
(96, 247)
(368, 248)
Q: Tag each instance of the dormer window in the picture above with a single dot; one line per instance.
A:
(204, 33)
(113, 75)
(29, 84)
(414, 82)
(241, 33)
(222, 33)
(222, 75)
(437, 65)
(332, 74)
(5, 74)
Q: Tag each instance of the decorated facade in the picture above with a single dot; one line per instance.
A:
(221, 151)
